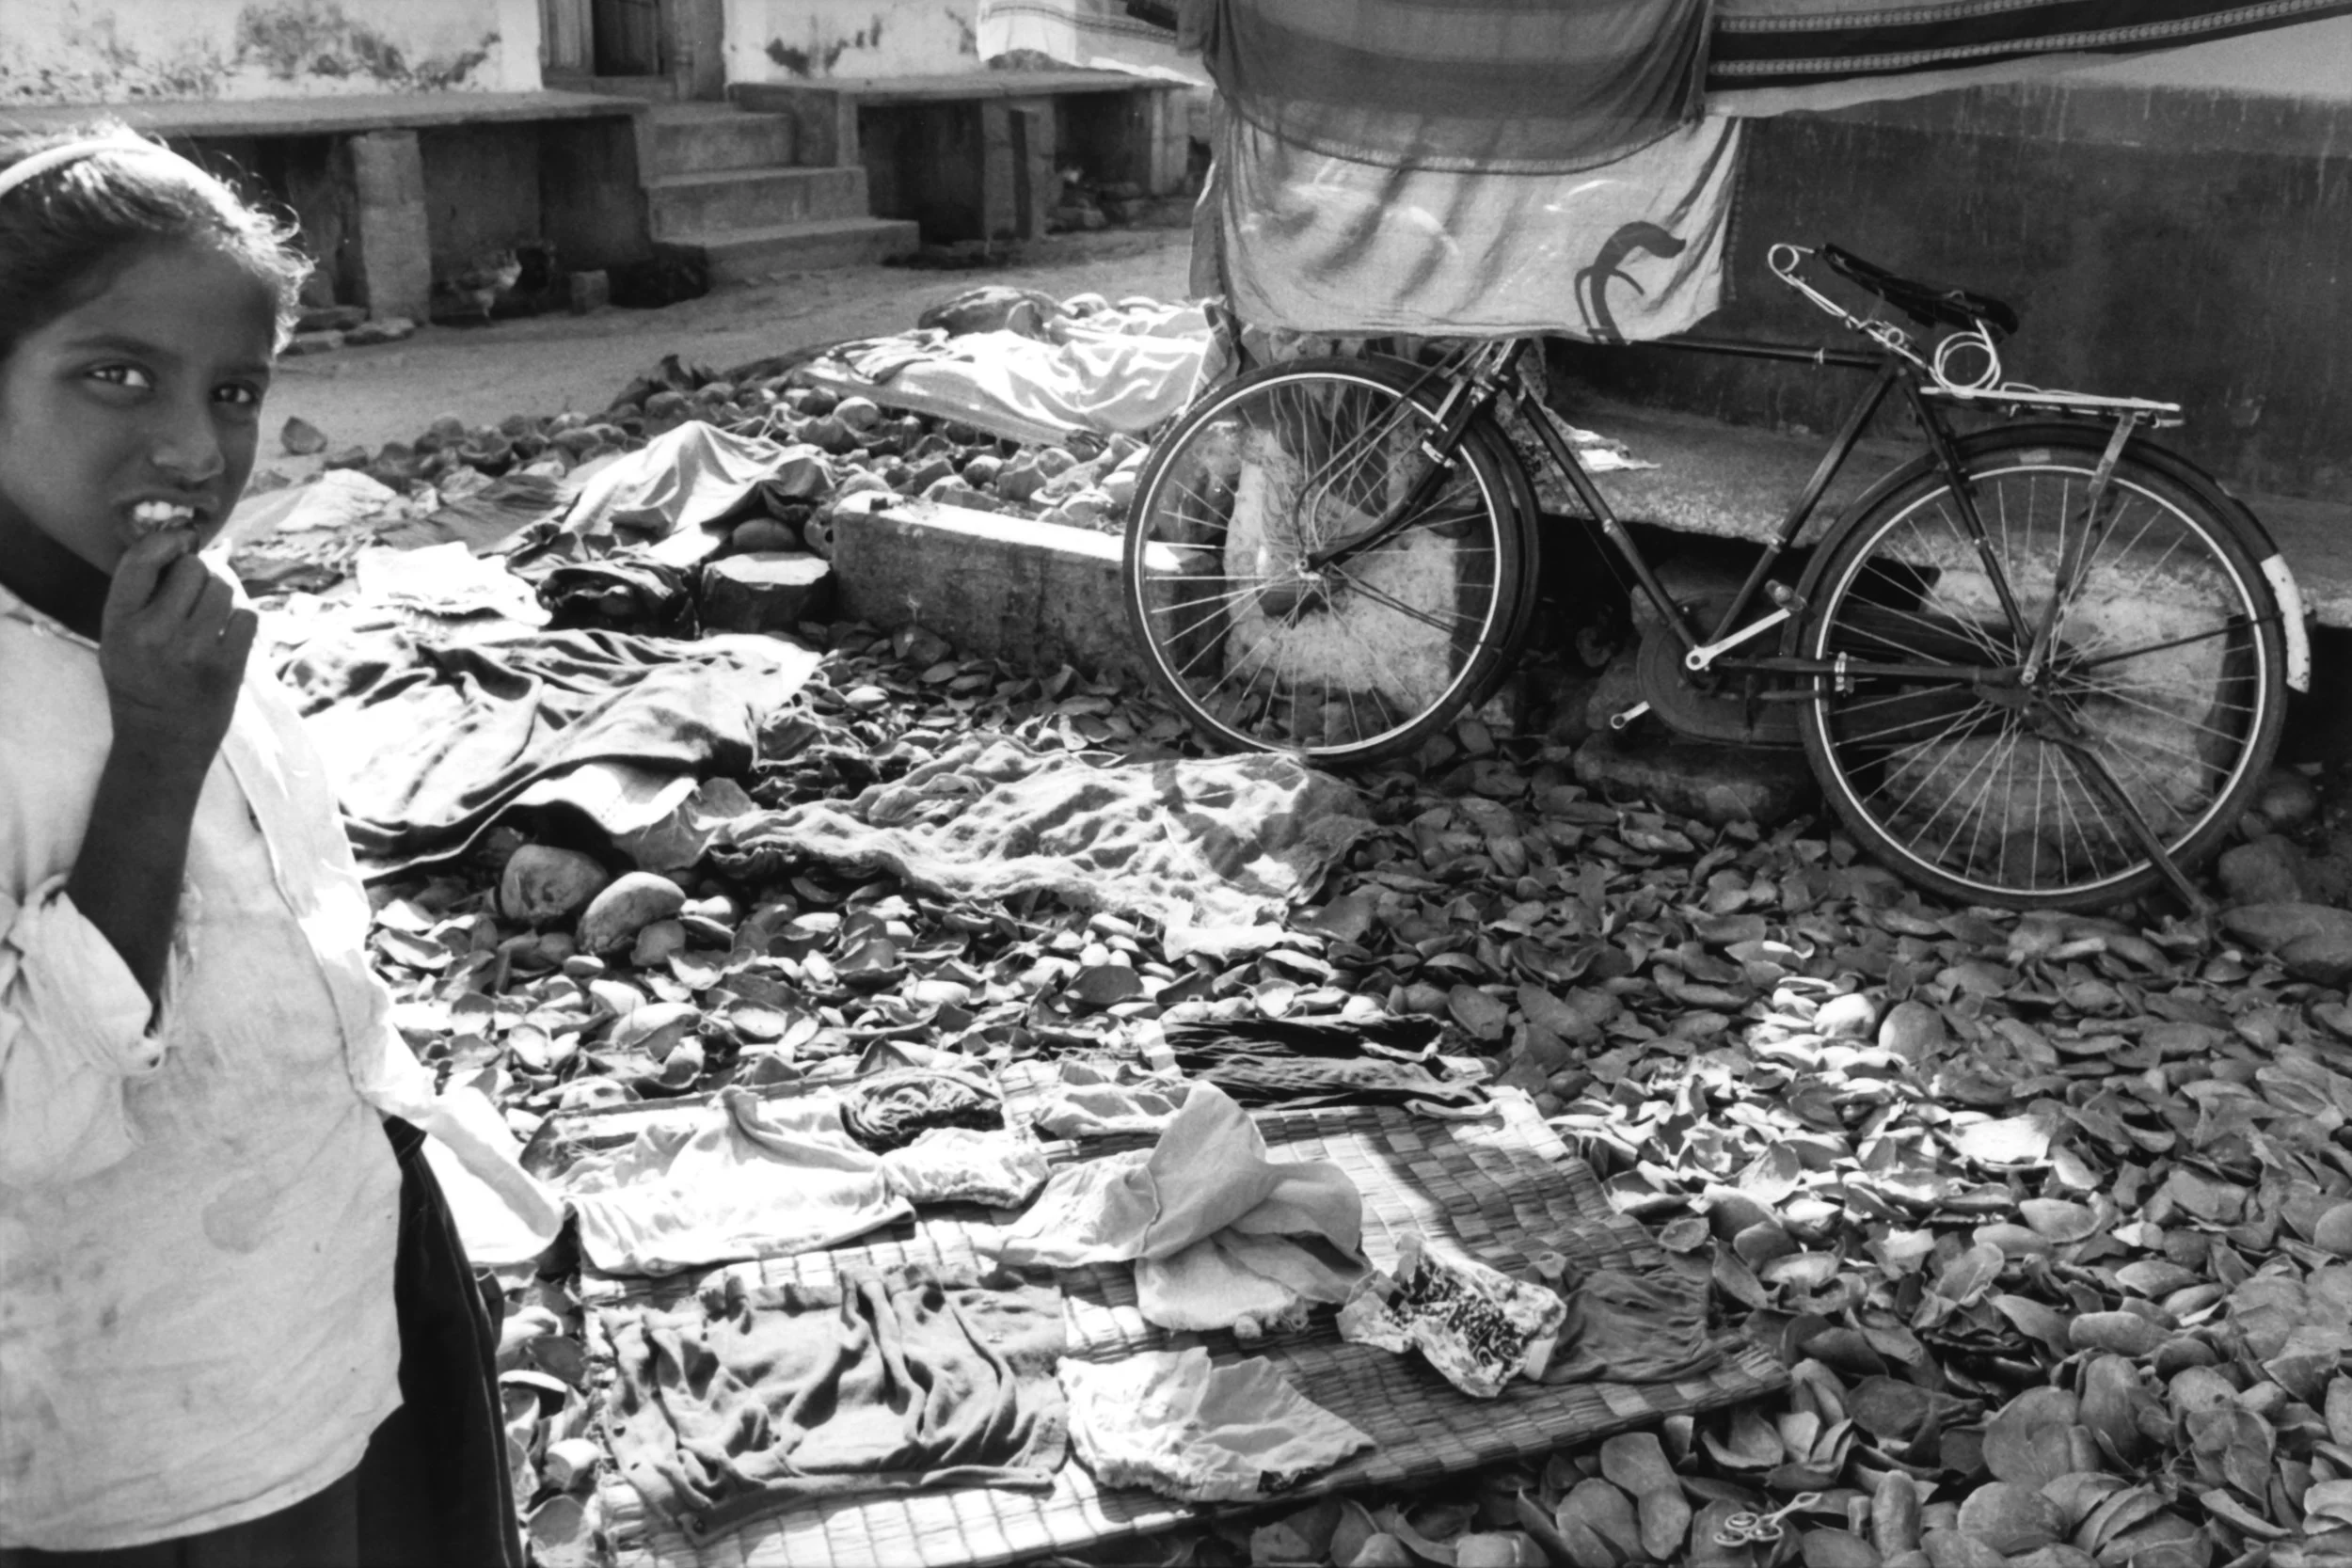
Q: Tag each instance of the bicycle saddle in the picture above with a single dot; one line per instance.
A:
(1929, 304)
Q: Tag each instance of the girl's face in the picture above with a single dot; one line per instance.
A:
(136, 409)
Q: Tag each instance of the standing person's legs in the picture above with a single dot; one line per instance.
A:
(434, 1490)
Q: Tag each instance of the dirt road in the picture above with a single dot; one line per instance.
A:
(548, 364)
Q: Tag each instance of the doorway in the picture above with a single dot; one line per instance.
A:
(678, 43)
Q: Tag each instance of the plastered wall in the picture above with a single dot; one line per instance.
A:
(798, 40)
(117, 51)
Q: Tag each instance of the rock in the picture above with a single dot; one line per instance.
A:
(1852, 1015)
(626, 907)
(570, 1461)
(543, 884)
(1713, 782)
(2119, 1333)
(981, 472)
(765, 590)
(385, 329)
(312, 342)
(2286, 799)
(858, 414)
(2262, 872)
(2312, 940)
(1913, 1030)
(302, 438)
(656, 943)
(763, 534)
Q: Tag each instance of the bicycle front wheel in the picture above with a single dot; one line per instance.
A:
(2158, 694)
(1354, 662)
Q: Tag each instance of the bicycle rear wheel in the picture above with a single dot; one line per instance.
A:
(1358, 662)
(2163, 690)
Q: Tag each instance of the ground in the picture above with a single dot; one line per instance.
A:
(550, 364)
(2043, 1213)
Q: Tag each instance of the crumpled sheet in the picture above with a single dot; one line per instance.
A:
(1172, 1421)
(1115, 370)
(1214, 849)
(1220, 1232)
(430, 738)
(888, 1380)
(676, 489)
(747, 1178)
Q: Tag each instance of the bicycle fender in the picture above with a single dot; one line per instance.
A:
(2295, 628)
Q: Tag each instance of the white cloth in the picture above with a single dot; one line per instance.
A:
(197, 1221)
(742, 1178)
(1175, 1422)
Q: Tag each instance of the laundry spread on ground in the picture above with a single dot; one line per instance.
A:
(1222, 1235)
(883, 1382)
(1213, 850)
(1042, 375)
(1174, 1421)
(430, 738)
(1263, 1061)
(743, 1178)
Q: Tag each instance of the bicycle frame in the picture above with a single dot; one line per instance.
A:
(1497, 367)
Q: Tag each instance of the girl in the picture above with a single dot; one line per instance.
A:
(236, 1324)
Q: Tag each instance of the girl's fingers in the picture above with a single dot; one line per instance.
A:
(142, 567)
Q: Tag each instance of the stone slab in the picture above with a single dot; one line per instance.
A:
(765, 590)
(326, 115)
(1036, 595)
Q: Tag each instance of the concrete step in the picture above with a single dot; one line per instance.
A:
(750, 255)
(728, 199)
(702, 138)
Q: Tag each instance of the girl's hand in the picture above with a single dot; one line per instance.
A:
(172, 646)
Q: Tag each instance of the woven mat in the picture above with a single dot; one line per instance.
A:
(1496, 1190)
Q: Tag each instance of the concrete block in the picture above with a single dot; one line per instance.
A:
(766, 591)
(395, 239)
(1036, 595)
(1698, 778)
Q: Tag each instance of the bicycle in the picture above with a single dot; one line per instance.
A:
(2042, 664)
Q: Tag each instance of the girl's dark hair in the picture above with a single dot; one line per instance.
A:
(67, 232)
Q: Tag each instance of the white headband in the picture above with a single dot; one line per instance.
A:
(74, 152)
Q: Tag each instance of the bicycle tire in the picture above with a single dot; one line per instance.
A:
(1378, 654)
(2169, 670)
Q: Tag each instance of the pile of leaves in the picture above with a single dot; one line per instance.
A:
(2046, 1214)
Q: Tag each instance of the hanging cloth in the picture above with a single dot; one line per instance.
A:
(1773, 56)
(1487, 86)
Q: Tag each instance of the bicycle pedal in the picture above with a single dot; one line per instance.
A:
(1624, 720)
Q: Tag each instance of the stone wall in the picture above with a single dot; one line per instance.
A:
(118, 51)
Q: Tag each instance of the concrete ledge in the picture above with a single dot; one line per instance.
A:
(327, 114)
(1036, 595)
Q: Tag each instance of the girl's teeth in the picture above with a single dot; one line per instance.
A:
(153, 516)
